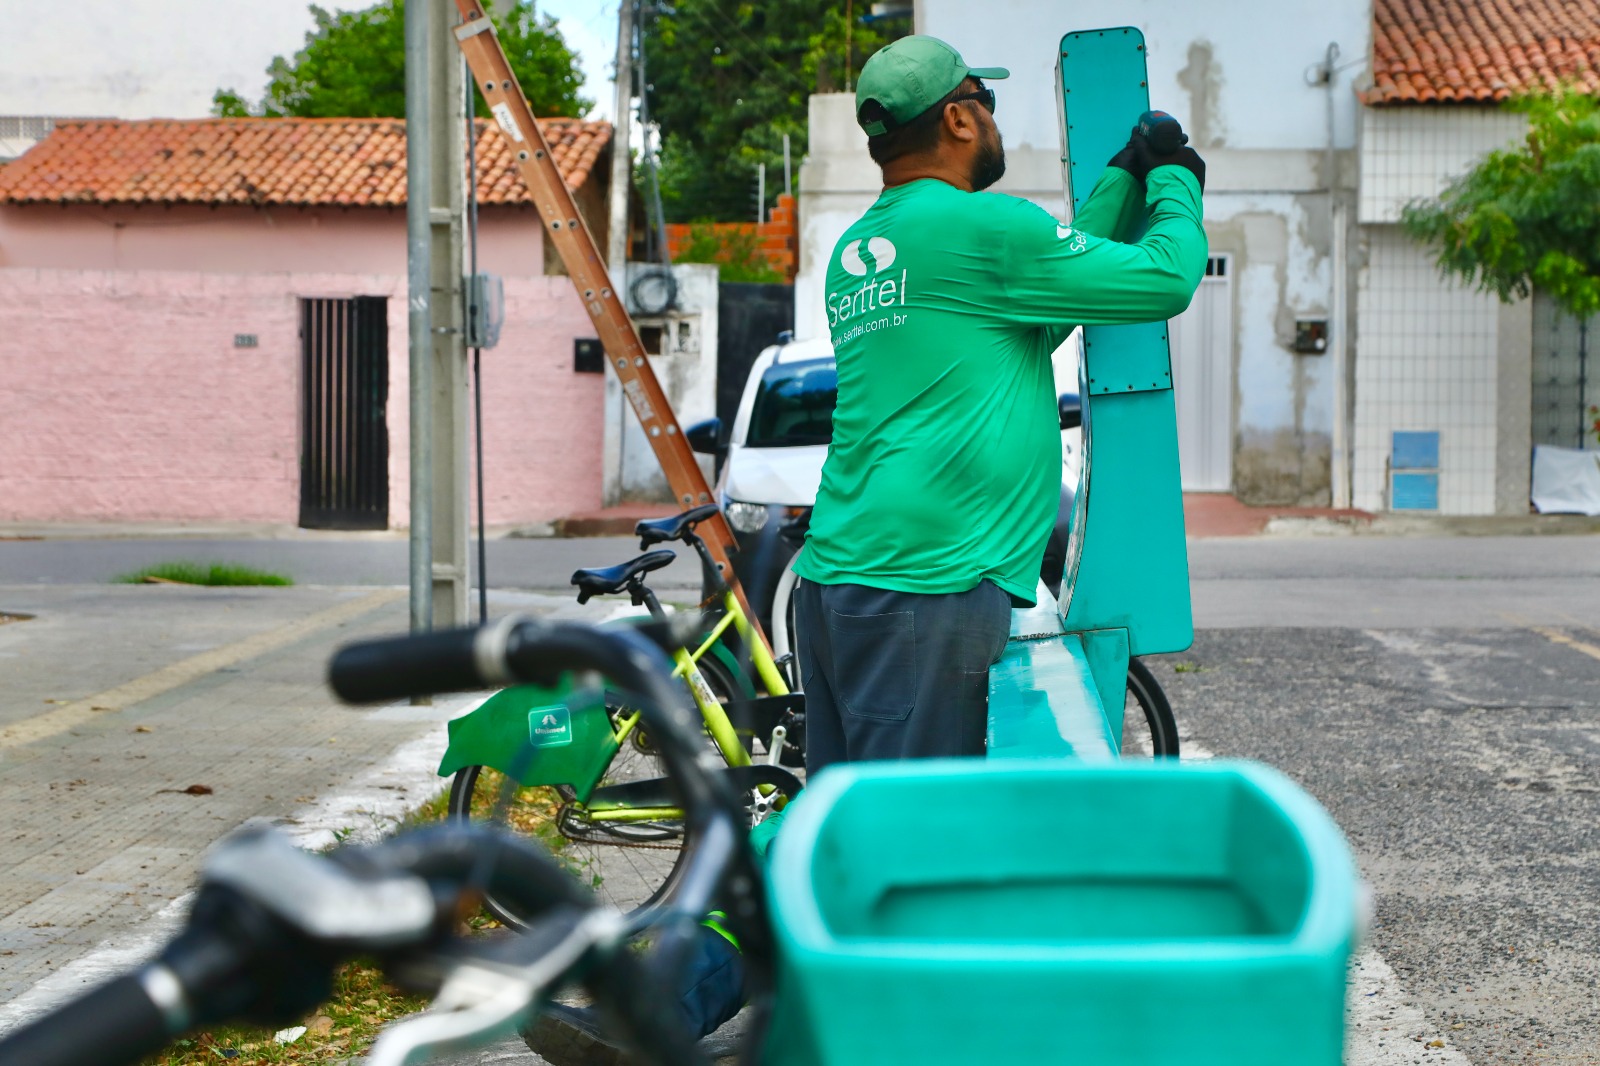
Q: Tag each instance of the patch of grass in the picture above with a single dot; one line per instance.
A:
(184, 572)
(343, 1028)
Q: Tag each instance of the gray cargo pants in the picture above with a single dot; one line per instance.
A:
(897, 675)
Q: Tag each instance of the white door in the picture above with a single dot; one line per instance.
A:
(1202, 382)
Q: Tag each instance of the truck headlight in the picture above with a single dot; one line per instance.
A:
(746, 517)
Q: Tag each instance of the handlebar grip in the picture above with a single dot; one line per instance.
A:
(114, 1024)
(399, 667)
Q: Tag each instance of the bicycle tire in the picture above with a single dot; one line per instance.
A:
(1148, 726)
(632, 867)
(784, 638)
(631, 875)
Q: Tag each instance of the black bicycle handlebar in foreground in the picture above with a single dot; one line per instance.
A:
(271, 922)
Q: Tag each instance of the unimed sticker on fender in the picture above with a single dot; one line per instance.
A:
(502, 115)
(550, 727)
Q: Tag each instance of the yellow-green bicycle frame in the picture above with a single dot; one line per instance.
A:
(716, 719)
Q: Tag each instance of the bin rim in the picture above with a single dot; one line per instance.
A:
(1328, 922)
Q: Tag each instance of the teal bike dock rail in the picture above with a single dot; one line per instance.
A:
(1052, 903)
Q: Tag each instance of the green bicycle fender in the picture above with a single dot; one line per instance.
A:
(570, 745)
(576, 752)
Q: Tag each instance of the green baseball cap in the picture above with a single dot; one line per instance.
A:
(909, 76)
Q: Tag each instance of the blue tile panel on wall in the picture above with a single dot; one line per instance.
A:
(1413, 491)
(1415, 451)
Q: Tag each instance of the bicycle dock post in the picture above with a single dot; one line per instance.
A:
(1049, 904)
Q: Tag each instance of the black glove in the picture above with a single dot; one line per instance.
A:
(1136, 157)
(1188, 159)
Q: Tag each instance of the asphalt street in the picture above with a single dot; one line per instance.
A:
(317, 559)
(1441, 696)
(1464, 766)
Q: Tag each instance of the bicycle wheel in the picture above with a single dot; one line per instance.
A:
(1148, 727)
(630, 867)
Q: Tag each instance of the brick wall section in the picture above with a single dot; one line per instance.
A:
(779, 236)
(125, 400)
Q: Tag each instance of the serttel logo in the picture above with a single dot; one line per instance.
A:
(881, 249)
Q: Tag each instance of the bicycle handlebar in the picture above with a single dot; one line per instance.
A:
(123, 1010)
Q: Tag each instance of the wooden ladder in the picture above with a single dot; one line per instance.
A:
(570, 235)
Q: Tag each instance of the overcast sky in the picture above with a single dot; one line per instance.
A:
(165, 58)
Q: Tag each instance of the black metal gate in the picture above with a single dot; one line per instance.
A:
(344, 436)
(749, 317)
(1566, 375)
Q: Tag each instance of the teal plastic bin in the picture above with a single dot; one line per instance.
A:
(1038, 911)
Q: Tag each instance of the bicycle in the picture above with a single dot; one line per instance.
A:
(270, 922)
(612, 810)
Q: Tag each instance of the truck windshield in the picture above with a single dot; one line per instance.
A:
(794, 405)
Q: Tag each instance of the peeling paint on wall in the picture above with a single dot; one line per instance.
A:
(1282, 467)
(1202, 79)
(1279, 244)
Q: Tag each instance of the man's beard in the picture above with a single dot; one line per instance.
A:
(989, 165)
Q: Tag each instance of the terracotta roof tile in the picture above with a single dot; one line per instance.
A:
(295, 161)
(1480, 51)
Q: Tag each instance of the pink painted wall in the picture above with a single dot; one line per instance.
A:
(122, 397)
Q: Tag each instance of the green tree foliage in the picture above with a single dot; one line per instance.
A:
(728, 78)
(354, 66)
(1526, 217)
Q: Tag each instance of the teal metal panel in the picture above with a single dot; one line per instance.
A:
(1107, 653)
(1140, 360)
(1102, 92)
(1043, 702)
(1127, 563)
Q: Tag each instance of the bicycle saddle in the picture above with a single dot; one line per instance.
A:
(607, 580)
(655, 531)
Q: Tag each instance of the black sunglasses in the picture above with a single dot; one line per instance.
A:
(983, 96)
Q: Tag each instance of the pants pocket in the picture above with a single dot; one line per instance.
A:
(875, 663)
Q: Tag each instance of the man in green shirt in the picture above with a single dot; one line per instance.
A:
(941, 485)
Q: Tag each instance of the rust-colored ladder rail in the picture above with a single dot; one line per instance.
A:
(572, 239)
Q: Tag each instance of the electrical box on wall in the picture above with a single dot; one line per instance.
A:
(486, 310)
(1311, 336)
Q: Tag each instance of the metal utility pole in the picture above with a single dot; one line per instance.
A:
(435, 161)
(420, 319)
(447, 126)
(617, 244)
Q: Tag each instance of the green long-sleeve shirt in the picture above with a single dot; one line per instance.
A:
(944, 307)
